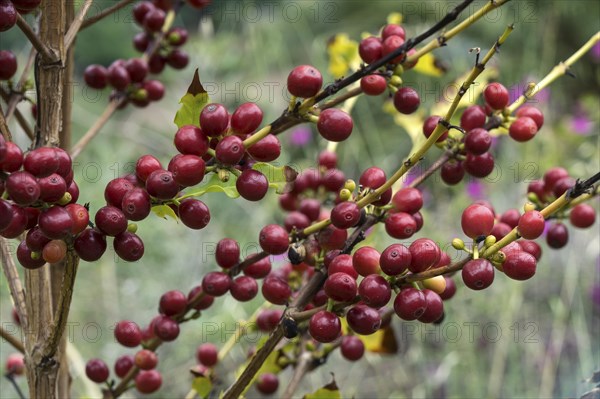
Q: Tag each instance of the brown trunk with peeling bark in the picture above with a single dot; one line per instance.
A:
(47, 368)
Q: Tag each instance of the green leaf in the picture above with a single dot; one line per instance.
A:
(202, 386)
(162, 211)
(192, 104)
(215, 185)
(329, 391)
(280, 178)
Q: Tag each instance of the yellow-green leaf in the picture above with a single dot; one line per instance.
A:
(192, 104)
(162, 211)
(202, 386)
(215, 185)
(343, 55)
(329, 391)
(279, 178)
(382, 341)
(395, 18)
(428, 65)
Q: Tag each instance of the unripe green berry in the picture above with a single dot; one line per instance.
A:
(350, 185)
(66, 198)
(533, 198)
(489, 241)
(345, 194)
(36, 255)
(399, 70)
(395, 80)
(132, 227)
(529, 207)
(459, 244)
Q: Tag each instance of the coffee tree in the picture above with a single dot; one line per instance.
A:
(337, 289)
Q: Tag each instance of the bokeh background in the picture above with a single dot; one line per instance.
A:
(530, 339)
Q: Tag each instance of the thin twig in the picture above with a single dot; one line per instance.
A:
(303, 365)
(17, 344)
(11, 377)
(17, 93)
(20, 118)
(44, 50)
(432, 169)
(104, 13)
(76, 24)
(95, 128)
(4, 126)
(14, 282)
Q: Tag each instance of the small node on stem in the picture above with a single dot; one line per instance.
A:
(529, 206)
(396, 81)
(224, 175)
(312, 118)
(66, 198)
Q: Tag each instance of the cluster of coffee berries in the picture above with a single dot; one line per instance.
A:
(8, 64)
(9, 9)
(391, 37)
(473, 156)
(128, 78)
(555, 182)
(41, 198)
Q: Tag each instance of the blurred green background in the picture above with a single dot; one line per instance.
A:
(530, 339)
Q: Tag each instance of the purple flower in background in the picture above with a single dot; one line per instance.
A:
(596, 52)
(300, 136)
(476, 190)
(581, 124)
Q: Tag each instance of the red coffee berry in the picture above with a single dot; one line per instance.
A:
(55, 223)
(335, 125)
(410, 304)
(54, 251)
(123, 364)
(13, 158)
(327, 159)
(267, 383)
(8, 64)
(392, 30)
(531, 225)
(136, 204)
(478, 141)
(345, 215)
(477, 220)
(424, 254)
(370, 49)
(311, 208)
(216, 283)
(145, 359)
(166, 328)
(429, 126)
(155, 89)
(96, 76)
(479, 165)
(128, 246)
(473, 117)
(500, 230)
(128, 333)
(324, 326)
(191, 140)
(273, 239)
(375, 291)
(373, 85)
(214, 119)
(178, 59)
(8, 16)
(96, 370)
(252, 185)
(118, 77)
(391, 44)
(496, 95)
(408, 199)
(478, 274)
(14, 223)
(519, 265)
(406, 100)
(41, 162)
(533, 113)
(227, 253)
(450, 289)
(511, 217)
(304, 81)
(395, 259)
(111, 220)
(207, 354)
(259, 269)
(148, 381)
(22, 188)
(557, 236)
(26, 259)
(552, 176)
(296, 220)
(154, 20)
(452, 172)
(562, 185)
(582, 216)
(172, 303)
(90, 245)
(161, 184)
(244, 288)
(276, 290)
(340, 287)
(400, 225)
(332, 238)
(52, 188)
(366, 260)
(363, 319)
(145, 165)
(230, 150)
(523, 129)
(531, 247)
(194, 213)
(246, 118)
(372, 177)
(141, 9)
(342, 264)
(266, 150)
(435, 308)
(36, 240)
(352, 348)
(115, 190)
(205, 300)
